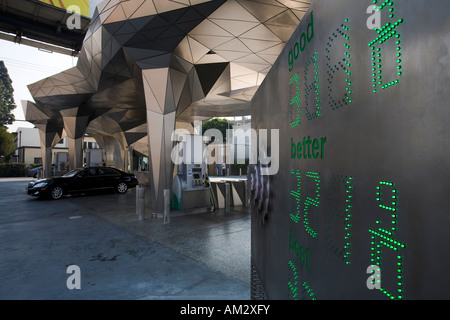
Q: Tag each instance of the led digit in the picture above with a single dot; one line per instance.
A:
(293, 281)
(312, 89)
(311, 203)
(383, 241)
(308, 292)
(340, 216)
(293, 285)
(343, 65)
(386, 33)
(297, 195)
(295, 102)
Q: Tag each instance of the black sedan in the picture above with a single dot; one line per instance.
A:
(82, 180)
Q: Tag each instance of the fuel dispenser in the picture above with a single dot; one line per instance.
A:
(62, 161)
(191, 188)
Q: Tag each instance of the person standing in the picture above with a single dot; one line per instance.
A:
(224, 168)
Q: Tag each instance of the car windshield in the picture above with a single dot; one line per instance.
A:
(73, 173)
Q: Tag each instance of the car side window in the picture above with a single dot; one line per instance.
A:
(107, 171)
(88, 173)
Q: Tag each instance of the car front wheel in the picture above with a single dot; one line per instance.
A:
(56, 193)
(122, 187)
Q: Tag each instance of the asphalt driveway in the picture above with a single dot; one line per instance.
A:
(195, 256)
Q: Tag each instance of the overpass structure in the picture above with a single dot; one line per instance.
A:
(42, 25)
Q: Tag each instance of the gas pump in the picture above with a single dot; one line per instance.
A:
(94, 157)
(62, 160)
(190, 183)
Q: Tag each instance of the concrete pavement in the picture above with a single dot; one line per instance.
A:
(195, 256)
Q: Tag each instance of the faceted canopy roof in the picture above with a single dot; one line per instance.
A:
(198, 58)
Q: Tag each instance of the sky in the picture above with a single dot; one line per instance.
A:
(27, 65)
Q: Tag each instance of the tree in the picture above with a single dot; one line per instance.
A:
(7, 103)
(7, 145)
(220, 124)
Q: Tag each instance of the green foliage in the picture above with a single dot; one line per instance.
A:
(7, 145)
(220, 124)
(13, 169)
(7, 103)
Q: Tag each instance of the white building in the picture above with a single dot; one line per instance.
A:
(28, 145)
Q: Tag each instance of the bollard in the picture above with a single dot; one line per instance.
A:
(245, 194)
(166, 205)
(140, 202)
(137, 199)
(227, 197)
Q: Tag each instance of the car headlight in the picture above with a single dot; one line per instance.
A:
(40, 185)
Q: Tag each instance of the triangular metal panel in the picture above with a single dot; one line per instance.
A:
(198, 50)
(212, 58)
(145, 10)
(156, 79)
(236, 28)
(169, 105)
(260, 45)
(157, 62)
(209, 28)
(185, 99)
(183, 50)
(117, 15)
(261, 11)
(231, 55)
(211, 42)
(223, 82)
(209, 74)
(155, 127)
(151, 102)
(178, 80)
(261, 32)
(233, 11)
(195, 86)
(164, 5)
(130, 7)
(233, 45)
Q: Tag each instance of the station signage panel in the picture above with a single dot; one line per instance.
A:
(359, 208)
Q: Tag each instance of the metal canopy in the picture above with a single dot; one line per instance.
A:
(157, 62)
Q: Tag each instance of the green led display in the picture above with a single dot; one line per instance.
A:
(383, 241)
(293, 285)
(293, 281)
(308, 292)
(304, 208)
(308, 90)
(343, 188)
(344, 65)
(295, 102)
(311, 203)
(386, 33)
(301, 98)
(312, 89)
(297, 195)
